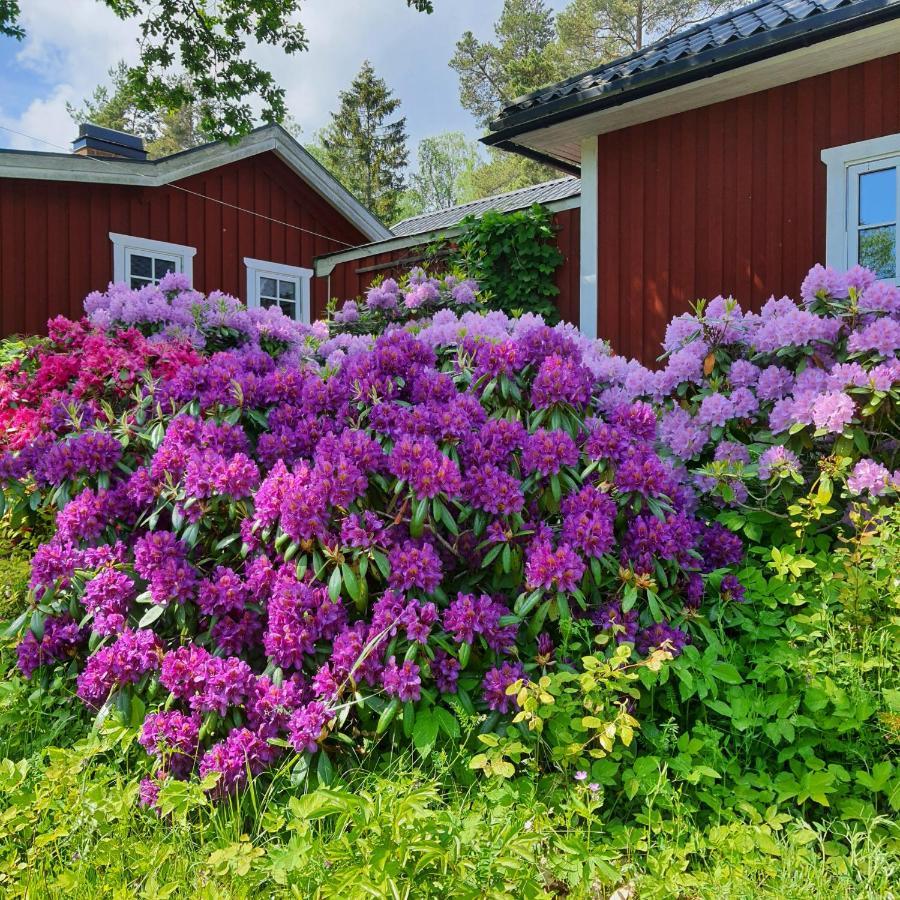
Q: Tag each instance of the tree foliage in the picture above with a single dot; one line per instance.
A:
(503, 172)
(116, 106)
(492, 73)
(441, 179)
(532, 48)
(365, 146)
(591, 32)
(206, 42)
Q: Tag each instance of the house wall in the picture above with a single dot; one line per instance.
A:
(55, 247)
(350, 279)
(726, 199)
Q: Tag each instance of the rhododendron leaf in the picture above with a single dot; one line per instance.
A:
(151, 615)
(382, 562)
(447, 722)
(351, 582)
(420, 513)
(334, 584)
(324, 769)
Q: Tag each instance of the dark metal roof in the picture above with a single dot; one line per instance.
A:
(548, 192)
(761, 30)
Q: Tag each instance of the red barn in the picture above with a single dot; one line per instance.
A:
(247, 218)
(726, 159)
(349, 272)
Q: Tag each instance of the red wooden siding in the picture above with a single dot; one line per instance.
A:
(568, 275)
(726, 199)
(55, 246)
(350, 279)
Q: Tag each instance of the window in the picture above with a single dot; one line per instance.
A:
(140, 261)
(863, 206)
(275, 284)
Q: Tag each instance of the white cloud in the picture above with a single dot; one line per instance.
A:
(45, 124)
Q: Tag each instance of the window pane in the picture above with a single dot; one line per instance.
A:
(267, 302)
(268, 287)
(289, 309)
(161, 266)
(286, 290)
(878, 197)
(138, 283)
(142, 266)
(878, 250)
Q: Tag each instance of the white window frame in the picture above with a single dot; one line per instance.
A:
(259, 268)
(126, 245)
(844, 166)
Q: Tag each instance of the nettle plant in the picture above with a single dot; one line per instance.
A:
(268, 557)
(793, 410)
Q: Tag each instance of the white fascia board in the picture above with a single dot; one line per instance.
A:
(64, 167)
(325, 265)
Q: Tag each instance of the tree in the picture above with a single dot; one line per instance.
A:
(364, 148)
(492, 74)
(206, 42)
(444, 161)
(115, 106)
(503, 172)
(591, 32)
(532, 49)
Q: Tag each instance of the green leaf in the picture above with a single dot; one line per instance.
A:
(334, 584)
(153, 613)
(726, 672)
(425, 732)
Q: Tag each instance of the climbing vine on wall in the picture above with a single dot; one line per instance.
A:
(514, 257)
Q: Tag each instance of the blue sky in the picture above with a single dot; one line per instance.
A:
(72, 44)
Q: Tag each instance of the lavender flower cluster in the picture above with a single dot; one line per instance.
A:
(172, 310)
(788, 386)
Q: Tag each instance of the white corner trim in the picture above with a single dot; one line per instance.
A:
(838, 162)
(123, 243)
(590, 249)
(298, 274)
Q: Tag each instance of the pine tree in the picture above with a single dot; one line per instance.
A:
(365, 148)
(116, 106)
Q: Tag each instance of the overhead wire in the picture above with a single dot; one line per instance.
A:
(177, 187)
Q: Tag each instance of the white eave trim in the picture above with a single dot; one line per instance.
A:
(325, 265)
(71, 167)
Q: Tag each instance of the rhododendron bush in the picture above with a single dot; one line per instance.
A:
(265, 558)
(766, 407)
(290, 542)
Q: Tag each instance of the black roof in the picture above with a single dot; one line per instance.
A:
(523, 198)
(761, 30)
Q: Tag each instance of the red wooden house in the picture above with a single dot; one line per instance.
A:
(247, 218)
(349, 272)
(729, 158)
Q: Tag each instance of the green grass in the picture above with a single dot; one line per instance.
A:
(399, 826)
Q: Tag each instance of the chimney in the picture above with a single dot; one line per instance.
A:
(93, 140)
